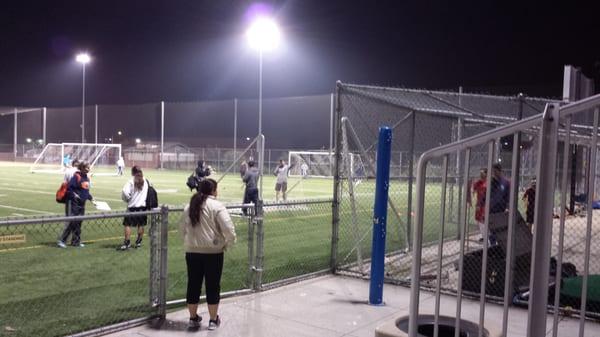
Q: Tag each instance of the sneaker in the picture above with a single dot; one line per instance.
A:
(124, 247)
(213, 324)
(61, 244)
(138, 245)
(79, 245)
(194, 323)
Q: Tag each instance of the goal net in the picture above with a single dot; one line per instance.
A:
(313, 164)
(56, 156)
(321, 164)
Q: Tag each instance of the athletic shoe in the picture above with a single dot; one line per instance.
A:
(194, 323)
(61, 244)
(79, 245)
(138, 245)
(213, 324)
(124, 247)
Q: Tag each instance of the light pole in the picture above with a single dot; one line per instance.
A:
(83, 58)
(263, 35)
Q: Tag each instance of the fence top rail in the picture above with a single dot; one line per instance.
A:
(301, 202)
(60, 218)
(579, 106)
(483, 138)
(441, 92)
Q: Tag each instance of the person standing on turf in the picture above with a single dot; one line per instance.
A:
(120, 165)
(207, 232)
(78, 193)
(70, 172)
(251, 181)
(281, 171)
(304, 170)
(134, 193)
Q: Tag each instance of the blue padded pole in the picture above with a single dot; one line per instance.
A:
(382, 185)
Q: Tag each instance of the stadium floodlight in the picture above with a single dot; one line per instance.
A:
(137, 140)
(263, 34)
(83, 58)
(28, 140)
(119, 132)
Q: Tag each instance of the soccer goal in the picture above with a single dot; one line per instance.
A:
(315, 163)
(102, 157)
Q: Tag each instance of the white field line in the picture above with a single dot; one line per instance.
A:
(47, 193)
(24, 209)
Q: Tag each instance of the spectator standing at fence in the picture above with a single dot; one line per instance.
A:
(134, 193)
(478, 188)
(304, 170)
(120, 165)
(78, 193)
(281, 171)
(529, 199)
(251, 181)
(207, 231)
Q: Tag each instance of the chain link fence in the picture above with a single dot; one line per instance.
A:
(420, 120)
(94, 289)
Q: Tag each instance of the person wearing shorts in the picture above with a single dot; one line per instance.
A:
(134, 193)
(281, 171)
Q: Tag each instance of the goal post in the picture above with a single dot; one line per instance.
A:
(102, 157)
(318, 163)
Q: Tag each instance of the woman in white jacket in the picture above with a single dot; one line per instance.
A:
(207, 231)
(134, 193)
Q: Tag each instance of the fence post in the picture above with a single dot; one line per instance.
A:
(154, 260)
(260, 254)
(251, 266)
(542, 236)
(164, 234)
(335, 205)
(380, 215)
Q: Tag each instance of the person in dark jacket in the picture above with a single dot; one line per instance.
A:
(202, 170)
(78, 193)
(251, 181)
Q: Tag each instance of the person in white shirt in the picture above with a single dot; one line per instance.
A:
(134, 193)
(207, 231)
(281, 172)
(120, 166)
(304, 170)
(70, 171)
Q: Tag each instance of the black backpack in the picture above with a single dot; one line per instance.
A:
(151, 197)
(192, 182)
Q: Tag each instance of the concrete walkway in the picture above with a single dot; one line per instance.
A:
(331, 306)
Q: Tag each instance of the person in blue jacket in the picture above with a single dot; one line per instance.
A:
(78, 193)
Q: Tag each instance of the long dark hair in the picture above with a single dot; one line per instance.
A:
(138, 178)
(206, 187)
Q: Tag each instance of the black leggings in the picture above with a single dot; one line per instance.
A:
(204, 266)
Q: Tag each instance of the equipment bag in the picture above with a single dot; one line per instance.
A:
(151, 197)
(61, 194)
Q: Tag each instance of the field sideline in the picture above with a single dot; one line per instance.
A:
(23, 193)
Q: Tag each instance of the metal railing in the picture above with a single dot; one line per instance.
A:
(525, 256)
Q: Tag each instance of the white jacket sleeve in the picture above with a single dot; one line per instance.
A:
(225, 224)
(126, 192)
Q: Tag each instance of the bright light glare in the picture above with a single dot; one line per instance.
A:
(119, 133)
(83, 58)
(263, 34)
(28, 140)
(137, 140)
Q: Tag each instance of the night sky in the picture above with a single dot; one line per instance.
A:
(147, 51)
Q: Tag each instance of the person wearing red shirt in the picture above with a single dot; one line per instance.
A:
(478, 188)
